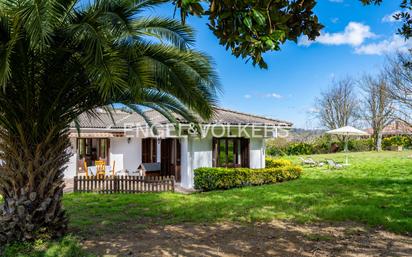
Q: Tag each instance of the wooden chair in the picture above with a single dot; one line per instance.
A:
(86, 169)
(100, 168)
(334, 165)
(113, 168)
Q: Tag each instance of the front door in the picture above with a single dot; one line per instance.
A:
(170, 158)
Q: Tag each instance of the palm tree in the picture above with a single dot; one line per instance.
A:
(61, 58)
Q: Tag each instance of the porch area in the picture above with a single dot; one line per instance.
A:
(128, 157)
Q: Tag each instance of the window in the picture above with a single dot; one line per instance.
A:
(230, 152)
(149, 150)
(92, 149)
(103, 148)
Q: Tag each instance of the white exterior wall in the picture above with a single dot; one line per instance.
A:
(128, 155)
(195, 153)
(186, 173)
(257, 153)
(70, 170)
(202, 152)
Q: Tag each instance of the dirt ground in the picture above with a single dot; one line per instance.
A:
(277, 238)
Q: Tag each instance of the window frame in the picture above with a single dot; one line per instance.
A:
(240, 152)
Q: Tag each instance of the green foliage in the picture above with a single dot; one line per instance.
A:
(359, 145)
(59, 59)
(319, 146)
(276, 163)
(208, 179)
(388, 142)
(250, 28)
(67, 247)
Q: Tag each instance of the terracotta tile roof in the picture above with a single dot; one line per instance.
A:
(395, 128)
(222, 116)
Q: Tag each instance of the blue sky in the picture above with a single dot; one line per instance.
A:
(355, 41)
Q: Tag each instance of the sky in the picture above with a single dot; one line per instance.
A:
(355, 41)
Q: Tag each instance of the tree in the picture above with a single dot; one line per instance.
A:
(61, 58)
(337, 106)
(377, 106)
(251, 28)
(399, 73)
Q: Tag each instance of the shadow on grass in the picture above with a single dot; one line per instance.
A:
(261, 239)
(374, 201)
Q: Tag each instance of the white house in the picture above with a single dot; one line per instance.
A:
(125, 141)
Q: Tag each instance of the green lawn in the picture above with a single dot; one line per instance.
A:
(375, 190)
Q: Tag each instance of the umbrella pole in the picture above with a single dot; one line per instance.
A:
(346, 149)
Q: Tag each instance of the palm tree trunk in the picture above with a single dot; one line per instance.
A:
(31, 183)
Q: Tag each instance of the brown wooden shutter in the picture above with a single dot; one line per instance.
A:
(214, 152)
(154, 150)
(145, 151)
(245, 152)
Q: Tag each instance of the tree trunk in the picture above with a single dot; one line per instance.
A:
(378, 141)
(31, 183)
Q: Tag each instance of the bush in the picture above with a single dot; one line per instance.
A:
(321, 145)
(276, 163)
(404, 141)
(208, 179)
(300, 149)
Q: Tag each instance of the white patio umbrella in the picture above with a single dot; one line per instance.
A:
(347, 131)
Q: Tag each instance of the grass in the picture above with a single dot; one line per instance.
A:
(375, 190)
(67, 247)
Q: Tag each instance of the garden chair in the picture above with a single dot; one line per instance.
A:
(315, 163)
(113, 168)
(100, 168)
(308, 161)
(86, 169)
(334, 165)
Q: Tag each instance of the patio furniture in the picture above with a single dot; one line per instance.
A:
(86, 169)
(308, 161)
(347, 131)
(100, 168)
(113, 169)
(150, 168)
(334, 165)
(92, 170)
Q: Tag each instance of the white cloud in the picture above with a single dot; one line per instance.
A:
(336, 1)
(313, 110)
(247, 96)
(334, 20)
(390, 18)
(354, 34)
(274, 95)
(395, 44)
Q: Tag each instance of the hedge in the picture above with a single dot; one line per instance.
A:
(208, 179)
(276, 163)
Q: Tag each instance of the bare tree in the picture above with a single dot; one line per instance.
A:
(377, 105)
(399, 73)
(337, 106)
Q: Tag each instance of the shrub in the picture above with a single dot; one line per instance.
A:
(276, 163)
(300, 149)
(405, 141)
(208, 179)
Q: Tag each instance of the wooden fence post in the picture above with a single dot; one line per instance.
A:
(75, 184)
(173, 183)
